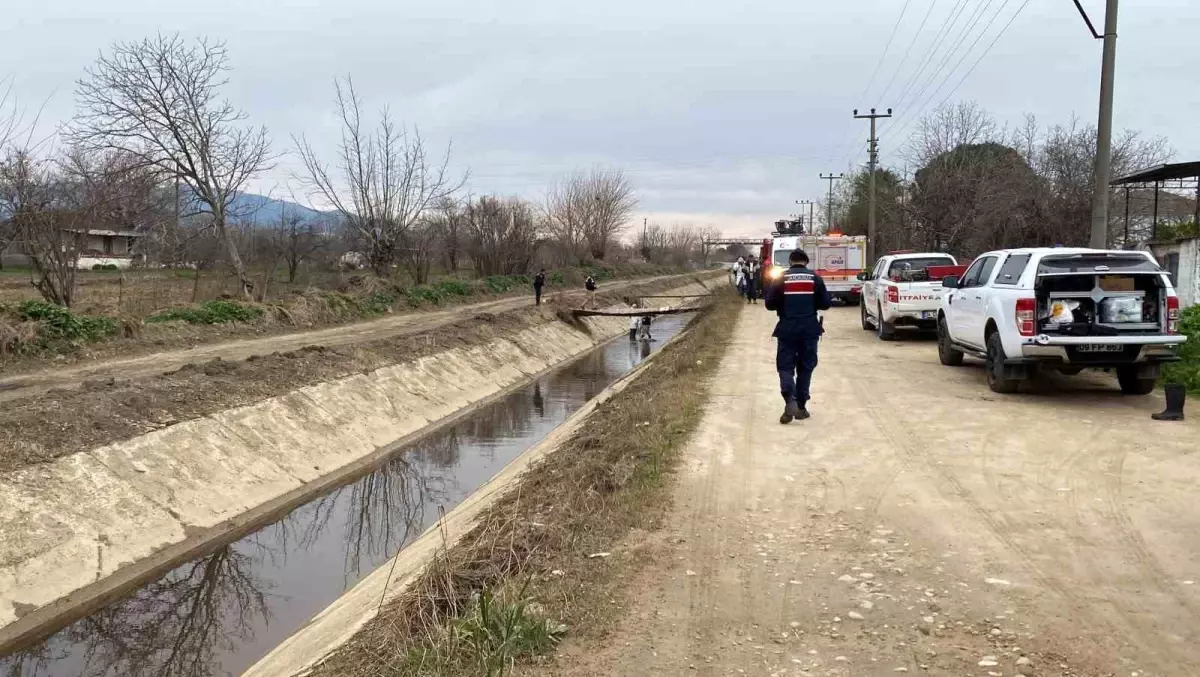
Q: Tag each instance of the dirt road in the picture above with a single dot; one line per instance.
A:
(917, 523)
(26, 384)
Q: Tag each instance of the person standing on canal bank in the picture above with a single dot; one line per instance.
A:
(539, 281)
(796, 297)
(590, 285)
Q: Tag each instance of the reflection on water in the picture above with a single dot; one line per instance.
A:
(218, 614)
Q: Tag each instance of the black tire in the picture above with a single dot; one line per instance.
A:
(883, 329)
(866, 322)
(995, 367)
(947, 353)
(1131, 384)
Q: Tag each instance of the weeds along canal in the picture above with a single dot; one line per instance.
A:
(218, 614)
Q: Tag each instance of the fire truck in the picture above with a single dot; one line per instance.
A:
(837, 258)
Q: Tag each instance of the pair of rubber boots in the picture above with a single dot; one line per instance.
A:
(792, 411)
(1176, 395)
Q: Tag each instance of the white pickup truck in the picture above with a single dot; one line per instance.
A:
(1063, 309)
(904, 290)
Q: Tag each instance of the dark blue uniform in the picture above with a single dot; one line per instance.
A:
(796, 297)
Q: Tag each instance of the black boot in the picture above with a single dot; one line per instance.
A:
(1176, 394)
(792, 411)
(802, 411)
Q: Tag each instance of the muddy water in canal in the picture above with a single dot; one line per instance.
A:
(218, 614)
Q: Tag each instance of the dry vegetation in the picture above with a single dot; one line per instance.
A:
(26, 342)
(523, 576)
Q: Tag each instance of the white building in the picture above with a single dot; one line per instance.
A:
(1182, 259)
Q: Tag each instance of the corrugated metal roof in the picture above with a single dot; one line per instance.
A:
(1165, 172)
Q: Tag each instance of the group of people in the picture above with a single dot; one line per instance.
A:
(539, 282)
(796, 296)
(746, 275)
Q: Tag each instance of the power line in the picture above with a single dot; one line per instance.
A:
(966, 31)
(976, 63)
(911, 44)
(936, 46)
(848, 138)
(917, 103)
(886, 47)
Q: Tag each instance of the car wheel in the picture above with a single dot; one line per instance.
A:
(947, 353)
(884, 329)
(866, 322)
(995, 367)
(1132, 384)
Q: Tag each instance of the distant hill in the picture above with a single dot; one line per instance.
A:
(263, 210)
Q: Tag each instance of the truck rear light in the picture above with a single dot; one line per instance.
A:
(1172, 314)
(1026, 316)
(893, 294)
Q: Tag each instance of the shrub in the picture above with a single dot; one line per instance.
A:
(60, 324)
(498, 284)
(377, 303)
(210, 312)
(1187, 370)
(424, 294)
(453, 288)
(105, 266)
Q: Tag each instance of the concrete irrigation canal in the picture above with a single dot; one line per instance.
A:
(222, 611)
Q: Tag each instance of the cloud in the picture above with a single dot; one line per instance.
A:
(717, 110)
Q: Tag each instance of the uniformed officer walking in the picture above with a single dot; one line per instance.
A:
(796, 297)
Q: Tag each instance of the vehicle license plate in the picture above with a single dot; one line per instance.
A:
(1101, 348)
(927, 315)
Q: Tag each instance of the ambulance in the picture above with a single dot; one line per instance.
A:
(837, 258)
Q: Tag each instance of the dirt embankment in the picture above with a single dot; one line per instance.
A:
(367, 304)
(114, 404)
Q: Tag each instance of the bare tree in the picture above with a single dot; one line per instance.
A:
(948, 127)
(383, 182)
(453, 235)
(587, 212)
(158, 99)
(420, 247)
(10, 119)
(682, 241)
(652, 243)
(301, 239)
(708, 237)
(501, 235)
(45, 220)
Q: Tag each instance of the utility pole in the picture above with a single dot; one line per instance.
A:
(831, 177)
(812, 225)
(872, 162)
(1099, 238)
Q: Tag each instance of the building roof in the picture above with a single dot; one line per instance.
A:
(101, 231)
(1165, 172)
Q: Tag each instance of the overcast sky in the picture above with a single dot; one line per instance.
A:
(721, 112)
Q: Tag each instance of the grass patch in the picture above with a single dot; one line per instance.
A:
(33, 327)
(532, 548)
(210, 312)
(1187, 370)
(495, 632)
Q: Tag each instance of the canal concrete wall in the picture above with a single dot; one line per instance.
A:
(81, 530)
(351, 612)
